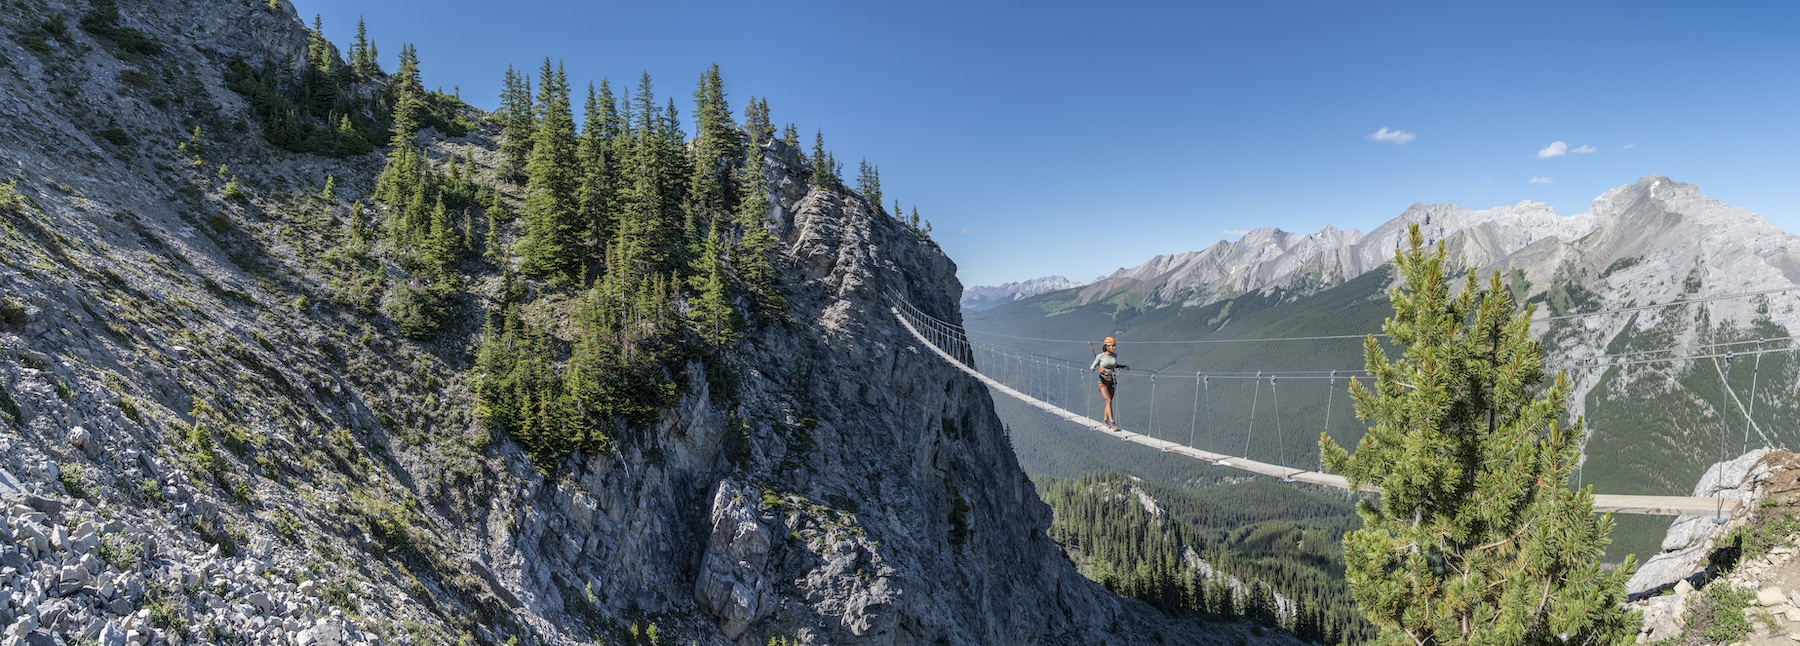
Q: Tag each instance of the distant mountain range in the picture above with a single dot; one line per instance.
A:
(982, 297)
(1655, 424)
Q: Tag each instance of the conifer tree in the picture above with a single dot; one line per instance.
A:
(599, 162)
(755, 254)
(868, 182)
(710, 309)
(408, 97)
(1477, 538)
(716, 142)
(553, 225)
(824, 171)
(790, 136)
(518, 120)
(362, 53)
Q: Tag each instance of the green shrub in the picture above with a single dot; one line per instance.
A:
(116, 136)
(418, 311)
(11, 312)
(73, 480)
(37, 39)
(121, 554)
(164, 612)
(11, 202)
(103, 22)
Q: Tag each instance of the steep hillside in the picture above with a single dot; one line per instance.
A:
(257, 389)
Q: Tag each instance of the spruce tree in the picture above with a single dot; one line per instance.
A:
(362, 53)
(518, 120)
(716, 145)
(868, 182)
(824, 168)
(1477, 537)
(408, 97)
(790, 136)
(599, 164)
(553, 226)
(754, 257)
(710, 309)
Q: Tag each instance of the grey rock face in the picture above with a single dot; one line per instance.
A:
(731, 584)
(839, 486)
(1690, 539)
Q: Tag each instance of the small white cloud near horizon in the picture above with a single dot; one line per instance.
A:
(965, 231)
(1234, 232)
(1540, 179)
(1396, 137)
(1555, 149)
(1629, 147)
(1583, 150)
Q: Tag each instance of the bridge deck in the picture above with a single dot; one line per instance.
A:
(1624, 504)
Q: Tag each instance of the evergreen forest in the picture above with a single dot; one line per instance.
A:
(1261, 550)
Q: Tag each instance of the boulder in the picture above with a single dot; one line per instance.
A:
(731, 584)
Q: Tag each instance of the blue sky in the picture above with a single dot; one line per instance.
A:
(1076, 138)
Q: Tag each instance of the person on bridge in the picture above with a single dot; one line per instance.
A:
(1107, 363)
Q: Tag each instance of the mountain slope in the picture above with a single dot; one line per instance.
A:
(219, 425)
(1654, 424)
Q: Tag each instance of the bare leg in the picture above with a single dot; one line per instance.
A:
(1108, 394)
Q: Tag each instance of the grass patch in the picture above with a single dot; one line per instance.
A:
(1716, 616)
(73, 480)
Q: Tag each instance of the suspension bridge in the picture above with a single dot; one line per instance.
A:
(952, 343)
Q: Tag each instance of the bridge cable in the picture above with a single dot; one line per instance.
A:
(1750, 415)
(1725, 380)
(1150, 426)
(1257, 385)
(1206, 401)
(1330, 393)
(1280, 439)
(1194, 416)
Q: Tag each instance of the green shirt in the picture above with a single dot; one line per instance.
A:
(1105, 361)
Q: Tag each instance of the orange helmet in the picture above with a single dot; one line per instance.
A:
(1110, 341)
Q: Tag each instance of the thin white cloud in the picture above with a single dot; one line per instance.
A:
(1540, 179)
(1555, 149)
(1583, 150)
(1396, 137)
(965, 231)
(1234, 232)
(1629, 147)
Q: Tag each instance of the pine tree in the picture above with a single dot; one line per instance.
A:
(716, 145)
(1477, 538)
(710, 309)
(599, 163)
(868, 182)
(362, 53)
(518, 120)
(756, 120)
(408, 97)
(755, 254)
(790, 136)
(553, 223)
(824, 171)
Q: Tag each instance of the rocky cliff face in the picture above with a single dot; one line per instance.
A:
(833, 483)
